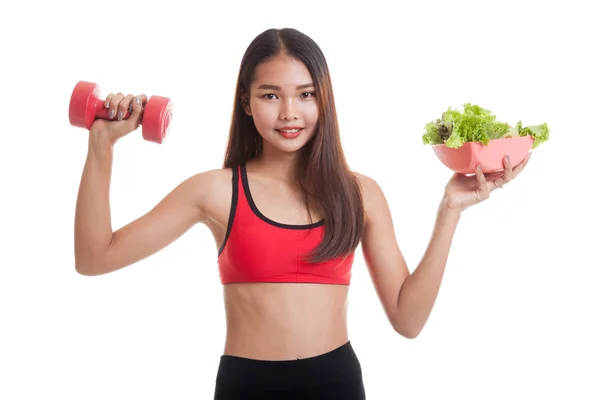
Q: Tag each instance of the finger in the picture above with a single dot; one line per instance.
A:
(492, 176)
(108, 100)
(492, 179)
(508, 171)
(137, 111)
(142, 99)
(482, 186)
(114, 104)
(517, 170)
(125, 106)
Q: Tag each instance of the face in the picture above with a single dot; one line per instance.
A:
(282, 104)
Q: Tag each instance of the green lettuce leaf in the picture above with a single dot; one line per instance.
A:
(476, 124)
(540, 133)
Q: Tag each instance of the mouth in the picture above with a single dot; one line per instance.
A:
(290, 132)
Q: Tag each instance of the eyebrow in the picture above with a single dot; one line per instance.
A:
(273, 87)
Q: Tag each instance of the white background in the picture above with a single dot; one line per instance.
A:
(517, 314)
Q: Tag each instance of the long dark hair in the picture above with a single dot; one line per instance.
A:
(324, 175)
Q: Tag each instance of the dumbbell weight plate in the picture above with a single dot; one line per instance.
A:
(86, 106)
(157, 119)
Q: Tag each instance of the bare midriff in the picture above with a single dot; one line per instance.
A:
(284, 321)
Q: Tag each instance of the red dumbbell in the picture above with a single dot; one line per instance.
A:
(86, 106)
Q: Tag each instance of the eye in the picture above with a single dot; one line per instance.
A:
(266, 96)
(307, 95)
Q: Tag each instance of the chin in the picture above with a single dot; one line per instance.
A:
(288, 147)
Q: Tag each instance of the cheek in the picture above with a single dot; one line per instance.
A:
(261, 115)
(264, 117)
(314, 114)
(311, 115)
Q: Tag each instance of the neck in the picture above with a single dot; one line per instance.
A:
(277, 164)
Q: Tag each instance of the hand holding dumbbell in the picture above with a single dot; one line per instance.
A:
(86, 107)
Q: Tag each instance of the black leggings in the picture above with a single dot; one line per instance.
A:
(334, 375)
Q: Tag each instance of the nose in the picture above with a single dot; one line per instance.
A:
(288, 110)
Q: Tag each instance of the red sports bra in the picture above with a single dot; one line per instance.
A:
(258, 249)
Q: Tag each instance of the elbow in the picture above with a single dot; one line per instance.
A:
(84, 271)
(89, 266)
(85, 268)
(406, 332)
(411, 335)
(83, 262)
(91, 254)
(90, 262)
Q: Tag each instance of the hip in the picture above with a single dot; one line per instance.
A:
(334, 374)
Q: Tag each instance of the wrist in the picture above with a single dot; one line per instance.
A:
(99, 143)
(449, 208)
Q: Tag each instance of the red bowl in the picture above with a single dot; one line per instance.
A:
(465, 159)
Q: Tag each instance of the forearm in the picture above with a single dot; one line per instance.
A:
(420, 289)
(93, 228)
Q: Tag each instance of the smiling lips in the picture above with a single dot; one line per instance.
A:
(290, 132)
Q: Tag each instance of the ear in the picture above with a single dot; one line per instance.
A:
(246, 104)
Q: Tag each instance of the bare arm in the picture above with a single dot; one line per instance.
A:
(93, 228)
(409, 298)
(420, 289)
(99, 250)
(406, 298)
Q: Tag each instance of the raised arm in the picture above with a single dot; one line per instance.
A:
(408, 298)
(99, 250)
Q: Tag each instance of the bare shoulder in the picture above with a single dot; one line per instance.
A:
(206, 191)
(213, 191)
(371, 191)
(213, 178)
(366, 182)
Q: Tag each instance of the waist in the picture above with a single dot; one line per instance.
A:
(284, 321)
(339, 364)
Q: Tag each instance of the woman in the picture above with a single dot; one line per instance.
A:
(287, 214)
